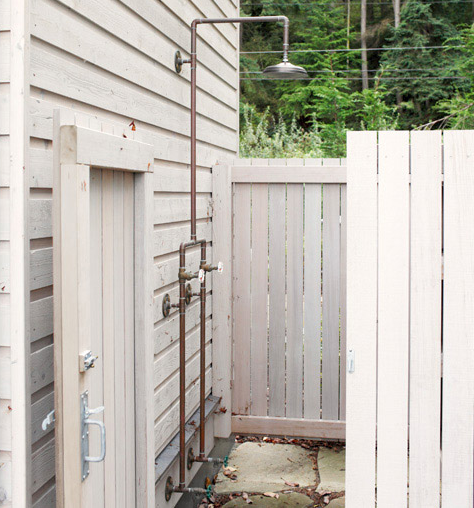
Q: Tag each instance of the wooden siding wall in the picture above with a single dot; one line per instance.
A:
(410, 314)
(289, 336)
(114, 60)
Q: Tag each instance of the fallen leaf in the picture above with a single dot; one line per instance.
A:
(132, 125)
(271, 494)
(292, 484)
(247, 499)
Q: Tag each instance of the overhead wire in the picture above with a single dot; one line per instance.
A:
(345, 71)
(404, 48)
(409, 78)
(300, 2)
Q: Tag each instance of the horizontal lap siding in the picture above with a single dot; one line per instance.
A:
(114, 59)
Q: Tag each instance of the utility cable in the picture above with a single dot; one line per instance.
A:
(350, 49)
(410, 78)
(345, 71)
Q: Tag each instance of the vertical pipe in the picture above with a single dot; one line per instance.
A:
(286, 38)
(182, 367)
(202, 443)
(193, 129)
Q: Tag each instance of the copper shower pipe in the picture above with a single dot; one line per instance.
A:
(193, 62)
(186, 276)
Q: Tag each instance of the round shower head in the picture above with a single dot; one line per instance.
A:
(285, 70)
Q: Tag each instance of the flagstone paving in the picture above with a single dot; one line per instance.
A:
(267, 467)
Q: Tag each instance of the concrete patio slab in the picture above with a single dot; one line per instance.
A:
(332, 470)
(293, 500)
(265, 467)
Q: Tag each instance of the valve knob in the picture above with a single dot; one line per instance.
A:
(202, 275)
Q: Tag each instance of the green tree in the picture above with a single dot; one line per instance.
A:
(415, 93)
(458, 110)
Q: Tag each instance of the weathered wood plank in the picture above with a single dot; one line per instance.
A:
(281, 174)
(277, 297)
(294, 281)
(291, 427)
(85, 87)
(361, 317)
(241, 299)
(222, 291)
(331, 297)
(458, 321)
(343, 306)
(425, 318)
(393, 323)
(312, 302)
(259, 300)
(42, 362)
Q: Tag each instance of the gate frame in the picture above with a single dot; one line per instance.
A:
(224, 176)
(88, 147)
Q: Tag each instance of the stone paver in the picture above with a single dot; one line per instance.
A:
(340, 502)
(264, 467)
(332, 470)
(293, 500)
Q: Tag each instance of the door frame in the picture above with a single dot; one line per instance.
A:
(82, 143)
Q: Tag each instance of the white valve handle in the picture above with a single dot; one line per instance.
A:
(202, 275)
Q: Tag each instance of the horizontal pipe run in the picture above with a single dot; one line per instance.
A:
(214, 460)
(189, 490)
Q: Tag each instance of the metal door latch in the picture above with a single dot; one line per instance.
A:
(351, 361)
(86, 361)
(85, 422)
(50, 418)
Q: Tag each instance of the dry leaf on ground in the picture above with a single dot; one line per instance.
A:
(271, 494)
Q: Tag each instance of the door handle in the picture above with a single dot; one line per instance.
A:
(86, 412)
(101, 426)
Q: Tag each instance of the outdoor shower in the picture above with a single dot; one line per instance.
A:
(284, 70)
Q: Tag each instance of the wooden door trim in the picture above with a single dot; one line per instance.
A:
(78, 149)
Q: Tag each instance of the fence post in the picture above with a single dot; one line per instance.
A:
(222, 296)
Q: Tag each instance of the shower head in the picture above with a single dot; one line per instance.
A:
(285, 70)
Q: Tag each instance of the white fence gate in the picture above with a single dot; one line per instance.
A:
(289, 222)
(410, 319)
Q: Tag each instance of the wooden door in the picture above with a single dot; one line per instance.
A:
(94, 290)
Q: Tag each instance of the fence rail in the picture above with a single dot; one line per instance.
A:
(289, 337)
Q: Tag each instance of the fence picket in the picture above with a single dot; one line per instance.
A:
(277, 280)
(393, 325)
(312, 301)
(259, 292)
(425, 319)
(294, 353)
(361, 318)
(458, 321)
(241, 288)
(331, 295)
(343, 296)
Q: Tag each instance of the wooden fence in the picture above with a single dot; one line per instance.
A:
(410, 317)
(289, 333)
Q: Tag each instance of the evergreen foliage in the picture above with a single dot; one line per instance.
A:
(319, 111)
